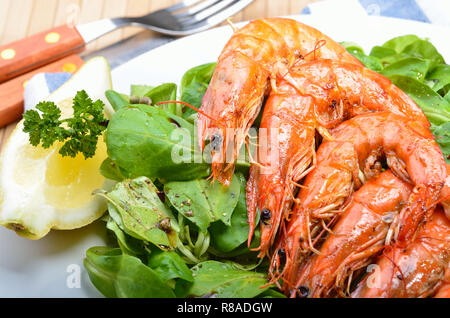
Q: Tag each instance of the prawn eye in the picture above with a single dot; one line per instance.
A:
(265, 215)
(216, 140)
(304, 291)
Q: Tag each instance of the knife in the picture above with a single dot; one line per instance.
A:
(27, 54)
(11, 92)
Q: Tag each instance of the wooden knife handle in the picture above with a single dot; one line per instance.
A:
(11, 92)
(38, 50)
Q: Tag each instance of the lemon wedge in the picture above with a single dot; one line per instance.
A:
(39, 189)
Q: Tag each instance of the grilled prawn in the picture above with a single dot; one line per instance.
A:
(252, 60)
(317, 95)
(415, 271)
(357, 237)
(352, 158)
(286, 151)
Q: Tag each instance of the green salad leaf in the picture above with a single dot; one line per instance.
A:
(116, 99)
(169, 265)
(384, 54)
(440, 76)
(203, 202)
(140, 90)
(162, 93)
(120, 275)
(194, 84)
(271, 293)
(110, 170)
(148, 141)
(425, 50)
(398, 44)
(128, 244)
(136, 208)
(447, 97)
(226, 238)
(412, 67)
(436, 108)
(442, 134)
(222, 280)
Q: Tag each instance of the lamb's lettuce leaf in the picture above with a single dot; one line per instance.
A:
(140, 90)
(442, 134)
(116, 274)
(162, 93)
(226, 238)
(148, 141)
(136, 208)
(169, 265)
(203, 202)
(194, 84)
(222, 280)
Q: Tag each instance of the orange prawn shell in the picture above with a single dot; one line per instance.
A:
(288, 117)
(411, 152)
(414, 271)
(255, 55)
(359, 234)
(413, 156)
(343, 90)
(332, 92)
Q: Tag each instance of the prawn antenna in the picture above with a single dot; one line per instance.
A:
(395, 266)
(275, 273)
(326, 228)
(190, 106)
(232, 25)
(253, 161)
(309, 238)
(319, 44)
(297, 184)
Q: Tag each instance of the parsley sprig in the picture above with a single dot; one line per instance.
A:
(79, 133)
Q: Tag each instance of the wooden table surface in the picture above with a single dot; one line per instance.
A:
(21, 18)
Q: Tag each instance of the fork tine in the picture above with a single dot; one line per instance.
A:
(208, 15)
(222, 15)
(181, 5)
(228, 12)
(205, 14)
(195, 9)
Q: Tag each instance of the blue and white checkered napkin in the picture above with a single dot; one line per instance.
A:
(41, 86)
(429, 11)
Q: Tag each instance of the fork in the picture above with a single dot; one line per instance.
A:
(184, 18)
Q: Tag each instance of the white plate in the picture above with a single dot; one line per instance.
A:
(52, 267)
